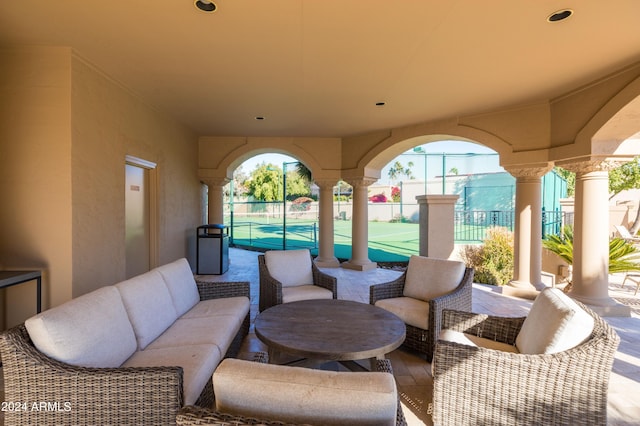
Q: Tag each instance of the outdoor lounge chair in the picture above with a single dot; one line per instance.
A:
(626, 235)
(549, 368)
(291, 275)
(420, 294)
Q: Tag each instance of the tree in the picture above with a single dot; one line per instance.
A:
(265, 183)
(625, 177)
(398, 170)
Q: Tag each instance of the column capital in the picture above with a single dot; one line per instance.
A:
(361, 182)
(535, 172)
(591, 165)
(216, 181)
(325, 183)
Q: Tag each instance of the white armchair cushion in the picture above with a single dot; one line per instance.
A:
(182, 287)
(149, 306)
(302, 395)
(555, 323)
(411, 311)
(429, 278)
(305, 292)
(290, 267)
(92, 330)
(471, 340)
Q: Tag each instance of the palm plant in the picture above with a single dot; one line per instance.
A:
(623, 255)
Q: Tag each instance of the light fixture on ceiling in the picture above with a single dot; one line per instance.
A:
(259, 118)
(205, 5)
(560, 15)
(380, 104)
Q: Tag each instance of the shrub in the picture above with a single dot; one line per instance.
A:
(395, 194)
(493, 260)
(378, 198)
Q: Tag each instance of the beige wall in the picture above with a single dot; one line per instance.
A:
(35, 174)
(65, 130)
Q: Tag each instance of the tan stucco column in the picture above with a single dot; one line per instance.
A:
(436, 225)
(527, 238)
(360, 227)
(215, 197)
(326, 257)
(591, 237)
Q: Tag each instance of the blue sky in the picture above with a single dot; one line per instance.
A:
(464, 164)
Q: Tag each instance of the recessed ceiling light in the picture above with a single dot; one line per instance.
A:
(205, 5)
(380, 104)
(560, 15)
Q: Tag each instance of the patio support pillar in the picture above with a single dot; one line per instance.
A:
(590, 283)
(326, 257)
(437, 225)
(527, 236)
(360, 227)
(215, 198)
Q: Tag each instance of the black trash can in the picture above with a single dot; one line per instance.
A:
(212, 249)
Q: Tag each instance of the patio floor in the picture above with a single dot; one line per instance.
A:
(413, 374)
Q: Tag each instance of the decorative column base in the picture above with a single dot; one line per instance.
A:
(523, 290)
(327, 263)
(359, 266)
(605, 307)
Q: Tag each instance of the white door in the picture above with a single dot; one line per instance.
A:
(137, 234)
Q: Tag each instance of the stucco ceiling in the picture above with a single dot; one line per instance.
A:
(317, 68)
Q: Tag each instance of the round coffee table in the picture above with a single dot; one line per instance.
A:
(330, 330)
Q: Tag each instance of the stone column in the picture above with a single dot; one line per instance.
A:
(591, 237)
(360, 227)
(326, 257)
(527, 238)
(437, 225)
(216, 199)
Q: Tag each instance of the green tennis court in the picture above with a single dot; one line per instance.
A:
(388, 241)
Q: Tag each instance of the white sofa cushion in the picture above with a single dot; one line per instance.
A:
(197, 361)
(92, 330)
(471, 340)
(555, 323)
(305, 292)
(149, 306)
(302, 395)
(238, 306)
(429, 278)
(411, 311)
(290, 267)
(199, 331)
(182, 286)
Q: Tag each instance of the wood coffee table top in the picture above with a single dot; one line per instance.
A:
(328, 329)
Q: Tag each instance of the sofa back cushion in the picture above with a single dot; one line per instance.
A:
(304, 396)
(182, 287)
(555, 323)
(149, 306)
(290, 267)
(92, 330)
(428, 278)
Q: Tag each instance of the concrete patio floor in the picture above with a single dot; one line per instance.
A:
(413, 373)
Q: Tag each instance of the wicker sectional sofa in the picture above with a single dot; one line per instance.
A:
(132, 353)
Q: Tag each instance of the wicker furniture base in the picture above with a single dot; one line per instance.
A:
(423, 339)
(478, 386)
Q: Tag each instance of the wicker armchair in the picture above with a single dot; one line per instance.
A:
(132, 395)
(480, 386)
(271, 289)
(423, 338)
(195, 415)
